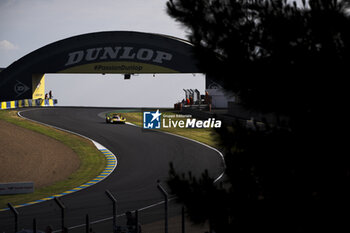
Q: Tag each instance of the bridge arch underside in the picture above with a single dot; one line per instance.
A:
(112, 90)
(118, 52)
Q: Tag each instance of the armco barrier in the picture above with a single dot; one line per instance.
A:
(28, 103)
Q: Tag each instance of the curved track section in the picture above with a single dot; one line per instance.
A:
(143, 158)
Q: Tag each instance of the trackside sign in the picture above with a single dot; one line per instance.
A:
(16, 188)
(117, 53)
(157, 120)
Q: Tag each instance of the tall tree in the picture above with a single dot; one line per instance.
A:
(285, 59)
(264, 49)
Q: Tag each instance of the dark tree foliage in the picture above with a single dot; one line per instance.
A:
(274, 55)
(289, 60)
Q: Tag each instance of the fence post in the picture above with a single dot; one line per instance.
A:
(15, 212)
(165, 194)
(34, 225)
(60, 204)
(183, 219)
(87, 224)
(114, 200)
(137, 221)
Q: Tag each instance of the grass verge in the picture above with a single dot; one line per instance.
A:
(205, 135)
(92, 162)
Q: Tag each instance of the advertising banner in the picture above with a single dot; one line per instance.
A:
(16, 188)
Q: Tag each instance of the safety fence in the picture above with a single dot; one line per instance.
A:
(28, 103)
(163, 216)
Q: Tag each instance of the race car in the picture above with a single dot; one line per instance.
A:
(115, 118)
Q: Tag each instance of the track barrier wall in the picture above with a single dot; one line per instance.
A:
(28, 103)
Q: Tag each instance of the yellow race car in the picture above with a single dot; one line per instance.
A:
(115, 118)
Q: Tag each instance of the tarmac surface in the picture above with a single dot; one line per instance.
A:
(143, 158)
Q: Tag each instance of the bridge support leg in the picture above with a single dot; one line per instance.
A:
(38, 86)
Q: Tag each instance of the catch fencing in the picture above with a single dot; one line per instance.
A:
(164, 216)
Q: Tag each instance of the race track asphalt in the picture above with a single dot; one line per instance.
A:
(143, 158)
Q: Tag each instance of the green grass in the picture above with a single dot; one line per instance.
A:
(206, 136)
(92, 162)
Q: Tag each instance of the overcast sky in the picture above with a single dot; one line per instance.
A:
(26, 25)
